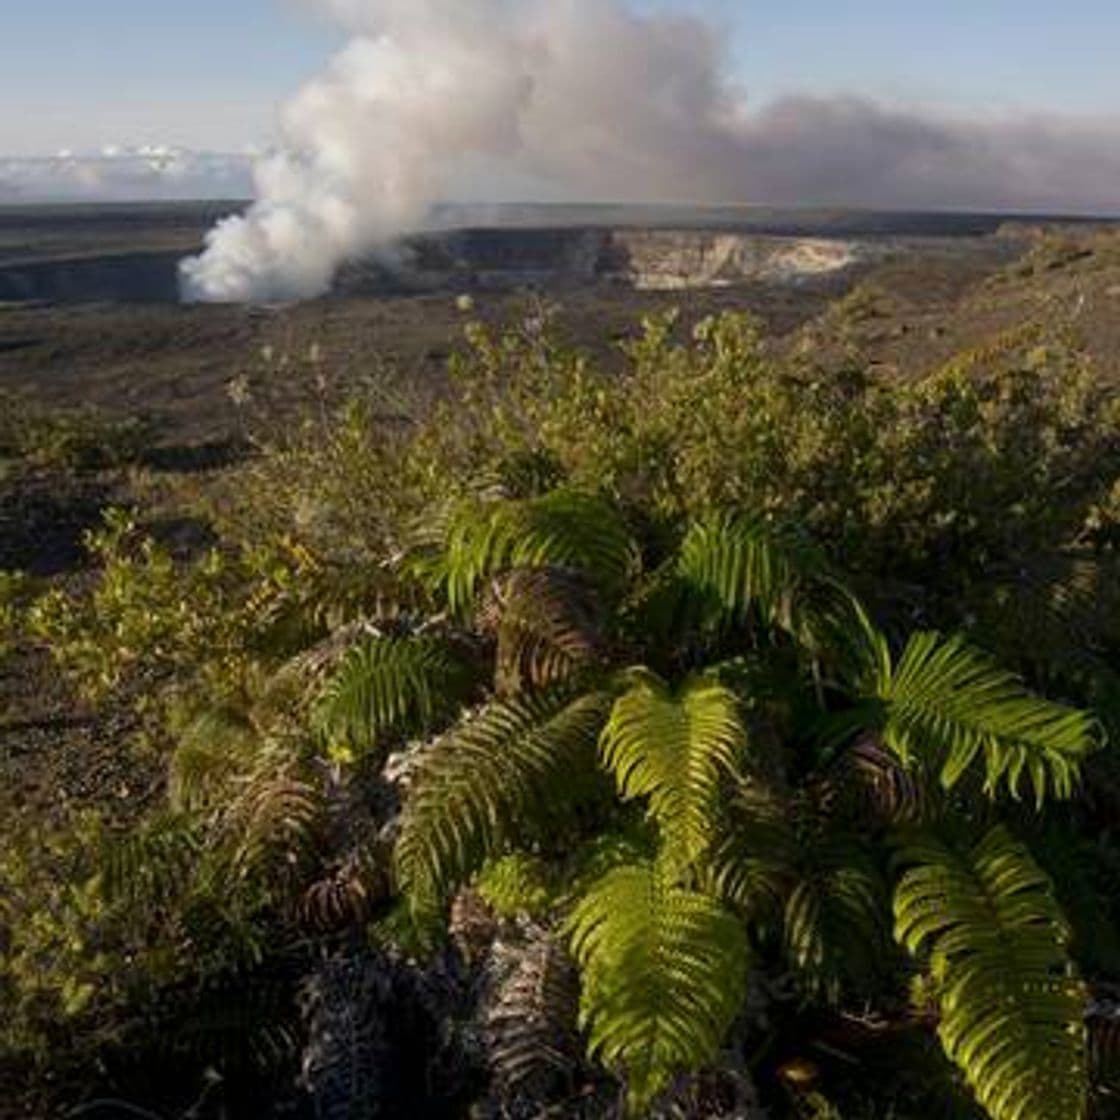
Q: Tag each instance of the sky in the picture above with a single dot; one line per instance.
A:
(81, 75)
(169, 98)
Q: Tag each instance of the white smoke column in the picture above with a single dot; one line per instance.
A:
(581, 91)
(597, 103)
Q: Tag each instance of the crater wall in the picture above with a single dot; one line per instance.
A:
(475, 259)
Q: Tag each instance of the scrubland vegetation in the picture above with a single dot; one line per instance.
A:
(725, 736)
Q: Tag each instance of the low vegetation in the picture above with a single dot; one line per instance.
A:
(728, 736)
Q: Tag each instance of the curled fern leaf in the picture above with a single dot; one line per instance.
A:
(489, 782)
(663, 974)
(1012, 1011)
(389, 685)
(950, 704)
(674, 749)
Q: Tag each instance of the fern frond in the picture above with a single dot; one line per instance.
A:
(321, 600)
(149, 866)
(876, 787)
(835, 920)
(490, 781)
(754, 866)
(385, 686)
(732, 566)
(346, 896)
(1012, 1009)
(784, 866)
(532, 1026)
(240, 1021)
(663, 974)
(949, 704)
(563, 529)
(214, 747)
(549, 625)
(674, 749)
(271, 823)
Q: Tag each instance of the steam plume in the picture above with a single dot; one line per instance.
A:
(588, 100)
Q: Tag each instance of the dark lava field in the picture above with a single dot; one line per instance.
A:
(89, 310)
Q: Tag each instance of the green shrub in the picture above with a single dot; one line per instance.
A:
(651, 662)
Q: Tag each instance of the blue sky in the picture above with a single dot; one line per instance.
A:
(208, 73)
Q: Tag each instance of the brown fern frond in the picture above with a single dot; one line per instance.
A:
(548, 623)
(1102, 1018)
(346, 896)
(272, 822)
(532, 1030)
(877, 788)
(471, 925)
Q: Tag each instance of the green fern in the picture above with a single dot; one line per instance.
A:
(1012, 1009)
(663, 974)
(785, 867)
(949, 705)
(733, 567)
(386, 686)
(755, 863)
(516, 885)
(212, 749)
(145, 868)
(564, 529)
(674, 749)
(490, 781)
(834, 922)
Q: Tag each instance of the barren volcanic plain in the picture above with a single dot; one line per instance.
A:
(89, 310)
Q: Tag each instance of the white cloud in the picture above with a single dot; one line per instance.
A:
(148, 173)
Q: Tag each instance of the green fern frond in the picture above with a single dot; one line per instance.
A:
(784, 866)
(663, 974)
(563, 529)
(517, 885)
(674, 749)
(949, 705)
(490, 782)
(386, 686)
(754, 866)
(835, 920)
(1012, 1009)
(212, 749)
(733, 565)
(150, 865)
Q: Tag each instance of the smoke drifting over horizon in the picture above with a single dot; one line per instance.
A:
(586, 100)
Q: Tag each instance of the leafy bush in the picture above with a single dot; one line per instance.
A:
(726, 670)
(77, 439)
